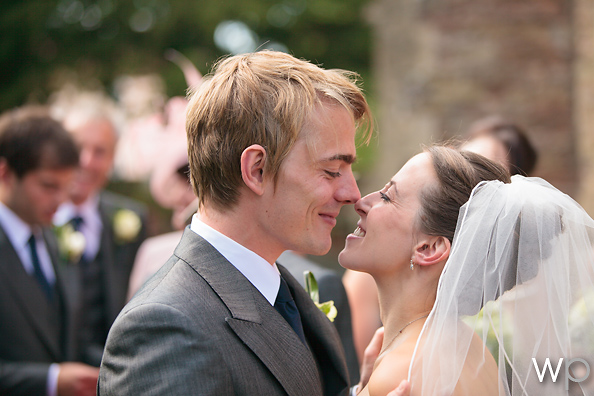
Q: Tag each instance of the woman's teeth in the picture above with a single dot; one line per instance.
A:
(359, 232)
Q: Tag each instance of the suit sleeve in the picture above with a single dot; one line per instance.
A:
(182, 362)
(23, 378)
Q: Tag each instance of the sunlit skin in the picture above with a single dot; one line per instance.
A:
(36, 196)
(96, 140)
(386, 232)
(388, 236)
(315, 181)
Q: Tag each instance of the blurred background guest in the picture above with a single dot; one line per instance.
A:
(170, 187)
(113, 226)
(501, 140)
(169, 181)
(38, 312)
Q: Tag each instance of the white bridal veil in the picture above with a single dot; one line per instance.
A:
(521, 276)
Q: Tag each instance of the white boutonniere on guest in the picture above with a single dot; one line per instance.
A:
(71, 243)
(126, 225)
(311, 287)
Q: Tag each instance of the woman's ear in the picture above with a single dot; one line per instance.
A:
(253, 159)
(433, 250)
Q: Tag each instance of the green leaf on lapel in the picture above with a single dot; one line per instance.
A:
(311, 287)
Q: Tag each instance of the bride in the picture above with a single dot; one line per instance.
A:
(477, 286)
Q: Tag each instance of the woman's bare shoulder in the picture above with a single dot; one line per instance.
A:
(391, 369)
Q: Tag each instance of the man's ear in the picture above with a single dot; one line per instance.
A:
(433, 250)
(5, 171)
(253, 160)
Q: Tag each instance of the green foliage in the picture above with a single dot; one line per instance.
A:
(45, 42)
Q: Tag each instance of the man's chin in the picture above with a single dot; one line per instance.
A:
(79, 195)
(46, 221)
(318, 249)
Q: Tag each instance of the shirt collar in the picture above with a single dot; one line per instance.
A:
(68, 210)
(17, 230)
(264, 277)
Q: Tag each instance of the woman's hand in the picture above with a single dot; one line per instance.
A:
(402, 390)
(370, 356)
(371, 353)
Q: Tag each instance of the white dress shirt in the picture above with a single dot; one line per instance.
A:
(18, 233)
(264, 277)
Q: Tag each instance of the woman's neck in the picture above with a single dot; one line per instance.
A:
(404, 302)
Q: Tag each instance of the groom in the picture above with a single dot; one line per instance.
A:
(271, 143)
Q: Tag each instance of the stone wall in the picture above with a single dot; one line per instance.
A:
(583, 95)
(439, 65)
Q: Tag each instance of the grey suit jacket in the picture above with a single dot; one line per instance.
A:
(115, 259)
(34, 332)
(330, 288)
(200, 327)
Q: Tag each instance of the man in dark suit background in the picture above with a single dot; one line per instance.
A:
(271, 143)
(113, 225)
(37, 315)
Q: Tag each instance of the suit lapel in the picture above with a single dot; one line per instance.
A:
(253, 319)
(322, 336)
(41, 314)
(112, 287)
(67, 289)
(106, 260)
(116, 259)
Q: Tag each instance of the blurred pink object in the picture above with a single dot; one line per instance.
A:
(148, 137)
(152, 254)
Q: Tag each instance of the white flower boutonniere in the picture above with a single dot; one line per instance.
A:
(126, 225)
(71, 243)
(311, 286)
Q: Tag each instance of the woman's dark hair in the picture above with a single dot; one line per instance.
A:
(458, 172)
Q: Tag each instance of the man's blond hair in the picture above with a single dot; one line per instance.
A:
(258, 98)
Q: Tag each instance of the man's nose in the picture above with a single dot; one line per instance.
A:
(349, 192)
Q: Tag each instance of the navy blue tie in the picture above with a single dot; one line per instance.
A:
(285, 305)
(76, 222)
(39, 275)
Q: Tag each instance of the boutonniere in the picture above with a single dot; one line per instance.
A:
(311, 287)
(126, 225)
(71, 243)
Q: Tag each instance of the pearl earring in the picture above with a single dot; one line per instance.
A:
(412, 265)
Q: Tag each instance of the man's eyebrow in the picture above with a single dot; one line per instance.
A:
(347, 158)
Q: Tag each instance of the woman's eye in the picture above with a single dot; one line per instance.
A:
(384, 197)
(333, 174)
